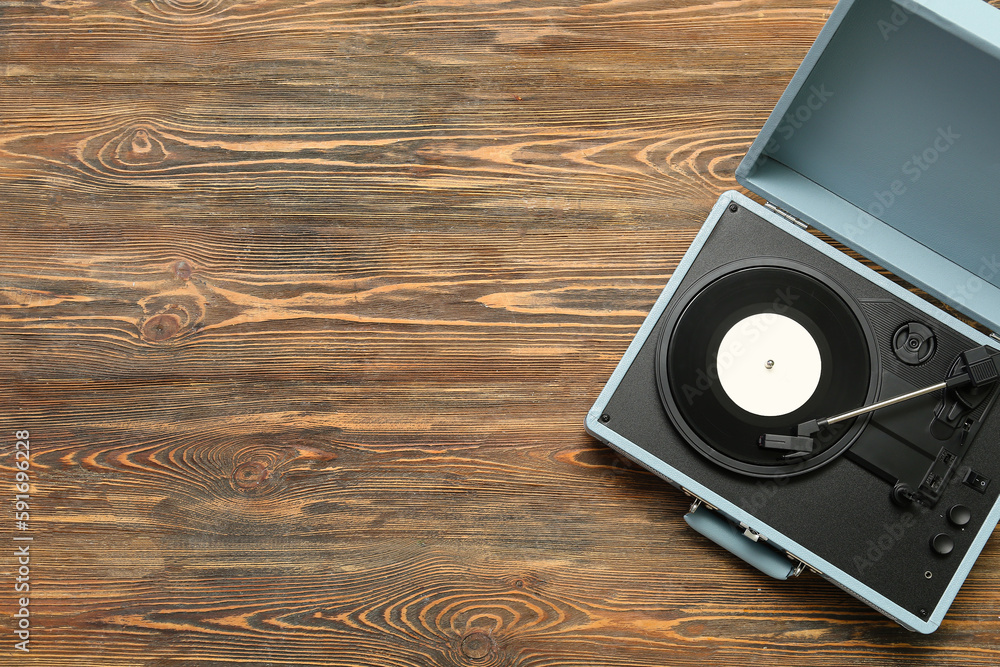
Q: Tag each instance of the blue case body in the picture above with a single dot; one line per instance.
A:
(840, 152)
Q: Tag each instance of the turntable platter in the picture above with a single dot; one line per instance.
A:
(758, 347)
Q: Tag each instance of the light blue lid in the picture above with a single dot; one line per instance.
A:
(888, 139)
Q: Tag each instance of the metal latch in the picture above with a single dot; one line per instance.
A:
(751, 534)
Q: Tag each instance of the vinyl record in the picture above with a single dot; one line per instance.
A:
(759, 346)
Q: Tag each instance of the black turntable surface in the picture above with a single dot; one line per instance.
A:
(850, 498)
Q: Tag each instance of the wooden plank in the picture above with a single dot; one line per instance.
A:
(303, 305)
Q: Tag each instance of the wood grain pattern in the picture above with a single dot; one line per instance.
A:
(304, 303)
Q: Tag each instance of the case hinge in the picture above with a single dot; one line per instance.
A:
(787, 216)
(800, 566)
(995, 337)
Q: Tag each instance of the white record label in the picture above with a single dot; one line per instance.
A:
(769, 364)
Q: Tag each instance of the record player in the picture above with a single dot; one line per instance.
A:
(820, 415)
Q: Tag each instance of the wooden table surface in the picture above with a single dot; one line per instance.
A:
(304, 303)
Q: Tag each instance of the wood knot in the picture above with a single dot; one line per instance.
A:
(477, 645)
(171, 313)
(522, 582)
(161, 327)
(258, 471)
(140, 147)
(141, 142)
(185, 8)
(248, 476)
(182, 270)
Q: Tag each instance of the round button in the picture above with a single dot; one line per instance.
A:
(942, 544)
(959, 515)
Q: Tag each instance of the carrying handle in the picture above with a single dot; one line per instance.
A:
(721, 531)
